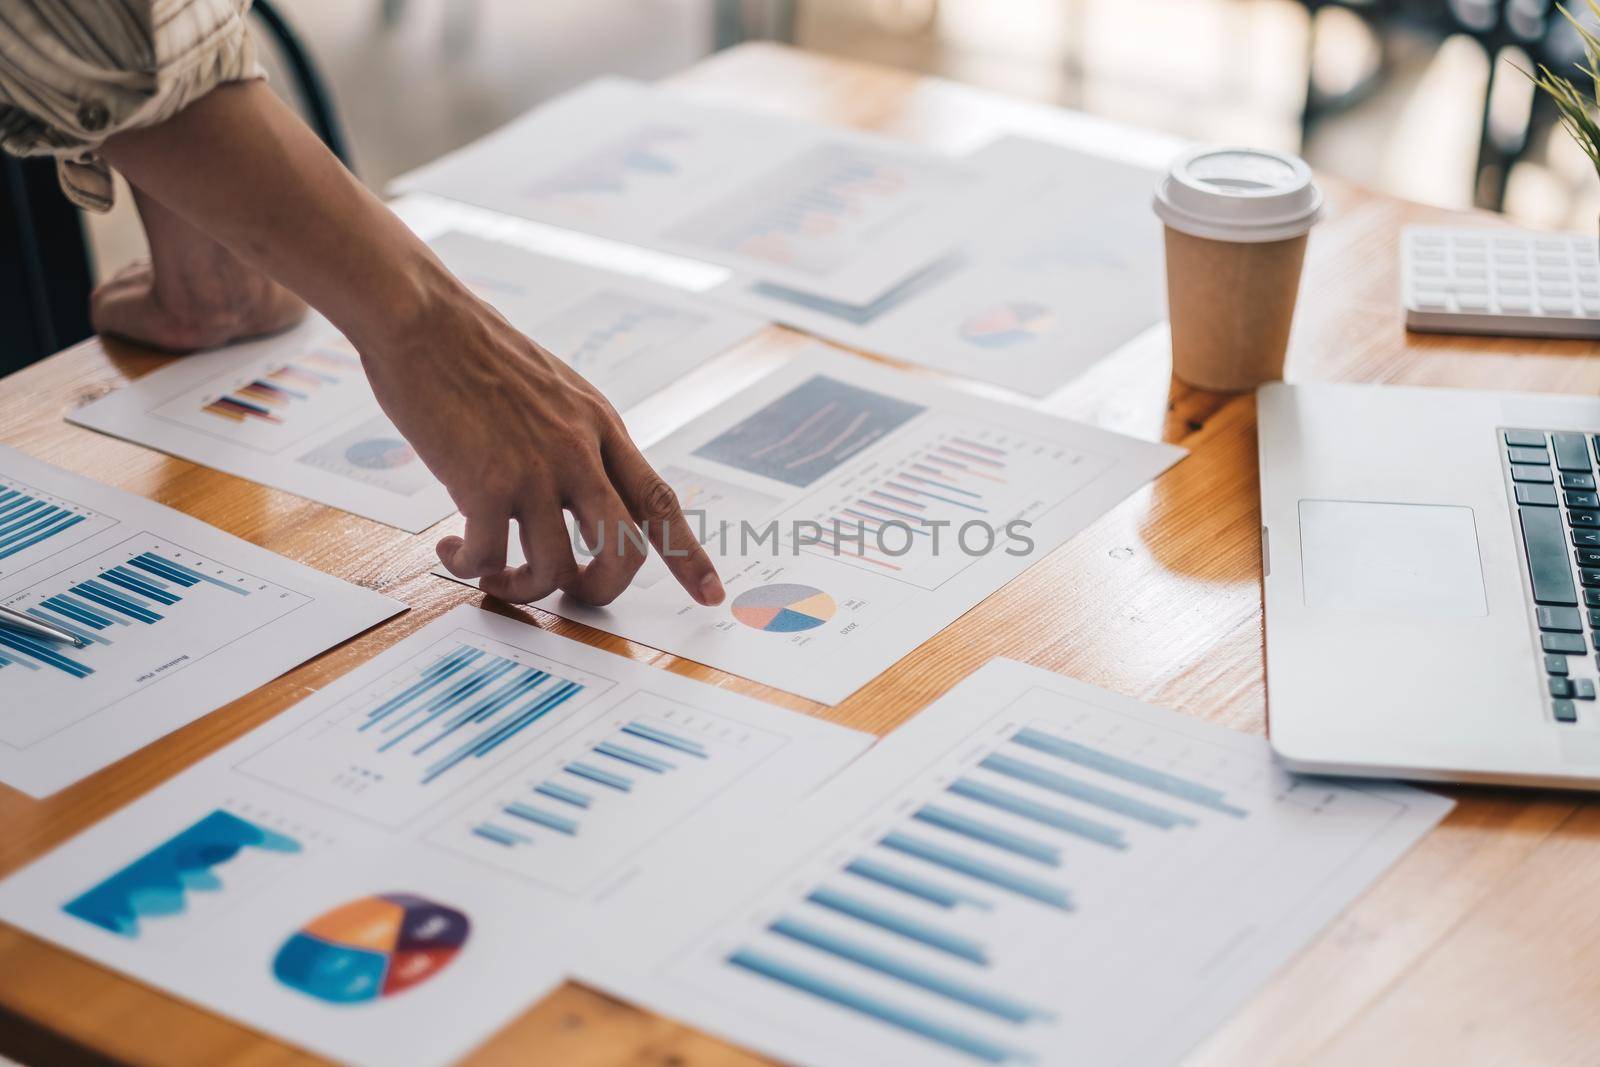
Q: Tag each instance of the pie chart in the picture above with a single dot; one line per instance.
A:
(371, 948)
(783, 608)
(1006, 325)
(380, 453)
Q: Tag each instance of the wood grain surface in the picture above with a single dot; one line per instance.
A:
(1481, 947)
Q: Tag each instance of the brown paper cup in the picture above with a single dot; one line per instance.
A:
(1231, 303)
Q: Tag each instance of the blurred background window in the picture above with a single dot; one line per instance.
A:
(1419, 98)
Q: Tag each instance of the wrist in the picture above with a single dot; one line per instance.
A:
(400, 308)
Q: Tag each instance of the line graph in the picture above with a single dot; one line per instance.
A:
(604, 332)
(814, 212)
(810, 431)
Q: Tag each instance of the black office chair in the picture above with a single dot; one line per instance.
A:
(1384, 18)
(1546, 38)
(45, 273)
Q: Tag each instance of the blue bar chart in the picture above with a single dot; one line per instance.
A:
(428, 727)
(930, 929)
(35, 524)
(599, 797)
(141, 611)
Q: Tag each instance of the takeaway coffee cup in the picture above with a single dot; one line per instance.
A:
(1236, 224)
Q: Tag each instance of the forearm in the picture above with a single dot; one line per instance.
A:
(240, 166)
(511, 431)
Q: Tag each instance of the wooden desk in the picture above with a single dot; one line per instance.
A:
(1482, 946)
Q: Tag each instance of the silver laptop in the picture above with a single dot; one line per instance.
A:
(1432, 582)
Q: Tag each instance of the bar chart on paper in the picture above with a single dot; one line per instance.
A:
(144, 610)
(272, 402)
(35, 524)
(1000, 905)
(939, 498)
(601, 797)
(816, 211)
(426, 728)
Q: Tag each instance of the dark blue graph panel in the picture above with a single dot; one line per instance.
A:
(426, 727)
(809, 431)
(618, 786)
(35, 524)
(928, 930)
(144, 612)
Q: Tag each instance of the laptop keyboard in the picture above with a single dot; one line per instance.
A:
(1558, 510)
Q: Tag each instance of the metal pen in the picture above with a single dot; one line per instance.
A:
(16, 620)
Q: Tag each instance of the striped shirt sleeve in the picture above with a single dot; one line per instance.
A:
(74, 72)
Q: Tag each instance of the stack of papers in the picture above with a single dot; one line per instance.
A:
(838, 213)
(389, 871)
(1020, 264)
(1027, 872)
(1050, 284)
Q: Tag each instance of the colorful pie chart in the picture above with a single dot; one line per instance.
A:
(783, 608)
(371, 948)
(1005, 325)
(380, 454)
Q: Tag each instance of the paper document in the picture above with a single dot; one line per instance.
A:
(177, 619)
(854, 511)
(1067, 273)
(842, 214)
(1030, 871)
(295, 411)
(389, 871)
(630, 338)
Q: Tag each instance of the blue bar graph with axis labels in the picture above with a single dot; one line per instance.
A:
(929, 929)
(461, 707)
(29, 518)
(119, 601)
(606, 774)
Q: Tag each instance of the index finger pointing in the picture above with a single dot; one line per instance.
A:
(654, 505)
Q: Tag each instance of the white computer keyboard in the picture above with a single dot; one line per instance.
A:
(1520, 283)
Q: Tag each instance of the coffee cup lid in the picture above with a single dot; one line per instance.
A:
(1238, 194)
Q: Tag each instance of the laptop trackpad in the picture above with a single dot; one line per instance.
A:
(1397, 559)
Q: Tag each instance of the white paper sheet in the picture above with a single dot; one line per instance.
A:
(828, 437)
(629, 337)
(295, 411)
(1032, 870)
(389, 871)
(836, 212)
(178, 617)
(1063, 277)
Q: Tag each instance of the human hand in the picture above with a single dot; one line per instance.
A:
(191, 294)
(514, 433)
